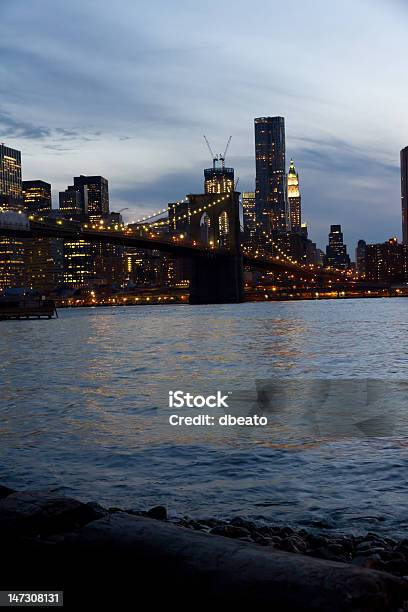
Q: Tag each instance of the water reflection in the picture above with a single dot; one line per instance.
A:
(83, 408)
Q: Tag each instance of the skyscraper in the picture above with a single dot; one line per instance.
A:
(218, 179)
(404, 194)
(248, 206)
(37, 196)
(73, 202)
(361, 256)
(294, 199)
(336, 250)
(270, 192)
(97, 194)
(11, 199)
(78, 264)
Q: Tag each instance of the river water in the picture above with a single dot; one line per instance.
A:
(84, 409)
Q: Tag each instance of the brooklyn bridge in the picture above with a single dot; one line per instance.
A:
(205, 231)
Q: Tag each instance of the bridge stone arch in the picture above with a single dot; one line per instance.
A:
(223, 228)
(205, 228)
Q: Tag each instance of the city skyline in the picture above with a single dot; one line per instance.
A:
(339, 125)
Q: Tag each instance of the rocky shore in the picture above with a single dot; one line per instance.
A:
(369, 550)
(44, 534)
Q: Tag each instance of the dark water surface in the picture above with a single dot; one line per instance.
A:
(84, 411)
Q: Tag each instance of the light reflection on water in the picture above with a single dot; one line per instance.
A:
(83, 409)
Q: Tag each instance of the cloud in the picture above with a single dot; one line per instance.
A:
(11, 127)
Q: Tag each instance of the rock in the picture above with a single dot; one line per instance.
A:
(315, 541)
(331, 553)
(373, 562)
(369, 550)
(396, 566)
(230, 531)
(392, 555)
(5, 492)
(42, 513)
(267, 531)
(158, 512)
(261, 541)
(346, 543)
(287, 531)
(210, 522)
(240, 522)
(293, 544)
(191, 524)
(97, 508)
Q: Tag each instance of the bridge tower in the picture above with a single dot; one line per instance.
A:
(212, 219)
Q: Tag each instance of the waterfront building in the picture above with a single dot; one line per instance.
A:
(336, 250)
(37, 196)
(43, 263)
(360, 257)
(270, 191)
(108, 264)
(11, 194)
(386, 262)
(294, 199)
(11, 199)
(404, 194)
(11, 263)
(248, 207)
(94, 192)
(78, 265)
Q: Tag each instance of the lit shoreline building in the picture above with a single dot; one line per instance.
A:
(11, 199)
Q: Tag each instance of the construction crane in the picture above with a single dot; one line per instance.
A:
(217, 157)
(213, 157)
(222, 158)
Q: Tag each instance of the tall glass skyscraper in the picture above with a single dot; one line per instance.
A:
(11, 194)
(270, 191)
(11, 199)
(404, 194)
(336, 250)
(248, 206)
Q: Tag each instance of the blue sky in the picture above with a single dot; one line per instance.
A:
(127, 89)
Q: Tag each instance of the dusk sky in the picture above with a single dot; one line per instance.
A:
(127, 89)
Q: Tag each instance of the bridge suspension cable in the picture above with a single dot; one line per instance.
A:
(188, 214)
(159, 212)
